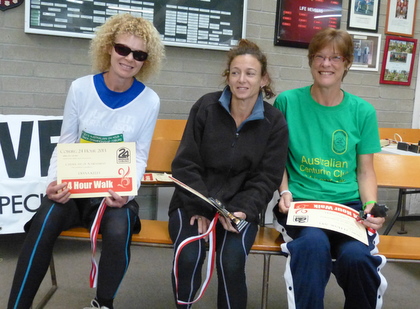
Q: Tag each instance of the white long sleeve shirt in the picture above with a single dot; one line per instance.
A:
(86, 114)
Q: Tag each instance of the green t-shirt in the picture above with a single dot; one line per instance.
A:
(324, 143)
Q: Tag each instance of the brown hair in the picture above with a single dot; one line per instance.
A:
(127, 24)
(341, 41)
(246, 47)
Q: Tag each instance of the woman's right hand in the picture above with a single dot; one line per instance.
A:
(202, 222)
(284, 202)
(58, 193)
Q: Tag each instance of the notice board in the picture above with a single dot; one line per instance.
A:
(210, 24)
(297, 21)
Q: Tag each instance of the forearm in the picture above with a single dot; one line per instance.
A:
(366, 178)
(284, 183)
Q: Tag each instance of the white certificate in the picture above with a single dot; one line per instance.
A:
(326, 215)
(91, 169)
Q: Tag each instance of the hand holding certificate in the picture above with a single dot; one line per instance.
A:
(326, 215)
(91, 169)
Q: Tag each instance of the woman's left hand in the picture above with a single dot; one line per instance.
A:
(226, 223)
(115, 200)
(373, 222)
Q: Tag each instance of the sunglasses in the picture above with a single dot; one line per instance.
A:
(124, 50)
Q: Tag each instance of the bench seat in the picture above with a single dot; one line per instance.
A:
(268, 241)
(400, 248)
(155, 233)
(166, 138)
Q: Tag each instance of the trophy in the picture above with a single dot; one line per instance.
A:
(237, 223)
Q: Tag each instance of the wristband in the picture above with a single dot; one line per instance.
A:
(367, 203)
(285, 191)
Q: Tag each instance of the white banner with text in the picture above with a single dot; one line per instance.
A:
(26, 145)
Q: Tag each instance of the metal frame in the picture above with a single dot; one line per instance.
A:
(400, 210)
(265, 282)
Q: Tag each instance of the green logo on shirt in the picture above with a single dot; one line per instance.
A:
(91, 138)
(339, 142)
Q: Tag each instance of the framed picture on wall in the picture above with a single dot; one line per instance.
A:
(398, 60)
(366, 51)
(400, 17)
(297, 21)
(363, 15)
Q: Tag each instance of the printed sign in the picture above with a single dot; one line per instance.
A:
(326, 215)
(92, 169)
(26, 145)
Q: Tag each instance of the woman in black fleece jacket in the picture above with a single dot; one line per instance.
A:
(234, 149)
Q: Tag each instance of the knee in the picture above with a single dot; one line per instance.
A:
(353, 260)
(191, 255)
(232, 265)
(354, 256)
(117, 235)
(313, 240)
(231, 270)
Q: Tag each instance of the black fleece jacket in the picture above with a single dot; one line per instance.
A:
(242, 169)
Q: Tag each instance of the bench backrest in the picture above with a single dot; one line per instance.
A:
(407, 135)
(397, 171)
(165, 142)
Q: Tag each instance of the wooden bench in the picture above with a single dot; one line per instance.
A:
(267, 243)
(407, 135)
(400, 248)
(165, 142)
(399, 172)
(155, 233)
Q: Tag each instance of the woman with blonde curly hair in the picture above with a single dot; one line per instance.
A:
(111, 106)
(139, 27)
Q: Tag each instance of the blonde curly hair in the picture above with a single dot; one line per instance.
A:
(127, 24)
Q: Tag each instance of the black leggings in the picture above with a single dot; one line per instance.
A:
(232, 251)
(50, 220)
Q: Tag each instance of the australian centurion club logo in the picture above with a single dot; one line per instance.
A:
(9, 4)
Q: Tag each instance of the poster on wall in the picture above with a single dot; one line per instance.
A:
(298, 20)
(363, 15)
(366, 51)
(6, 4)
(210, 24)
(400, 17)
(398, 60)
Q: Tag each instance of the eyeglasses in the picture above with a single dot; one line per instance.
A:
(124, 50)
(334, 59)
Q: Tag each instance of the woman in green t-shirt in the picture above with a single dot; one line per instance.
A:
(333, 136)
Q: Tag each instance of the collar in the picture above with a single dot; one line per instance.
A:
(257, 112)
